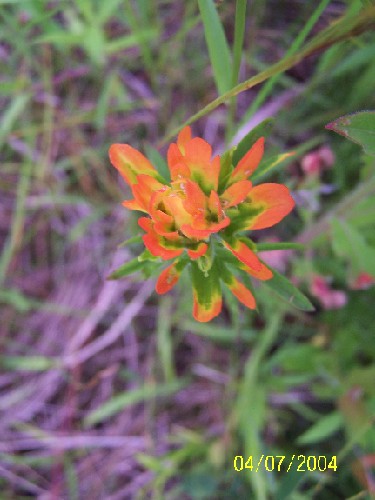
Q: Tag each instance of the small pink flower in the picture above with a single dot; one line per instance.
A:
(362, 282)
(329, 298)
(327, 157)
(315, 162)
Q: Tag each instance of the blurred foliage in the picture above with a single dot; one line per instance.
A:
(78, 76)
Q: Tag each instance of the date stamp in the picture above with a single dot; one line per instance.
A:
(281, 463)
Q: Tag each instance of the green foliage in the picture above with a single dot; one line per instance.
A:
(217, 45)
(358, 127)
(121, 401)
(285, 289)
(78, 76)
(348, 242)
(126, 269)
(262, 130)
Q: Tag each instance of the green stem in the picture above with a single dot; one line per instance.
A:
(297, 43)
(261, 247)
(239, 34)
(344, 28)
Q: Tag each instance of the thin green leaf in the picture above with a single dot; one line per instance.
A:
(28, 363)
(159, 163)
(349, 242)
(358, 127)
(121, 401)
(239, 33)
(133, 239)
(262, 247)
(269, 165)
(342, 29)
(60, 37)
(285, 289)
(262, 130)
(294, 46)
(11, 113)
(217, 45)
(226, 168)
(127, 41)
(165, 338)
(322, 429)
(128, 268)
(216, 333)
(205, 281)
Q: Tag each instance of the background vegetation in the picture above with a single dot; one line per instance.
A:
(108, 391)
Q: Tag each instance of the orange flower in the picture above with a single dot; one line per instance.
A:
(183, 215)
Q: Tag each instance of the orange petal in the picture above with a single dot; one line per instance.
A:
(167, 279)
(179, 170)
(198, 159)
(153, 243)
(244, 254)
(248, 163)
(195, 200)
(236, 193)
(176, 163)
(198, 234)
(214, 205)
(261, 274)
(242, 293)
(143, 190)
(183, 138)
(199, 251)
(175, 206)
(164, 225)
(158, 245)
(206, 312)
(130, 162)
(133, 205)
(207, 300)
(145, 223)
(201, 233)
(276, 201)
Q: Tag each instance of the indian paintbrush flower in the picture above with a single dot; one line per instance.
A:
(197, 218)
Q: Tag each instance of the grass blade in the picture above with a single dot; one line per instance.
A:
(344, 28)
(217, 45)
(122, 401)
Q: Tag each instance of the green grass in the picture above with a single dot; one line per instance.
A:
(165, 404)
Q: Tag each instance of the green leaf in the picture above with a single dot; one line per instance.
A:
(147, 256)
(206, 284)
(226, 168)
(262, 247)
(18, 300)
(125, 42)
(11, 114)
(28, 363)
(348, 242)
(322, 429)
(133, 239)
(128, 268)
(358, 127)
(288, 484)
(261, 130)
(125, 399)
(217, 45)
(269, 165)
(159, 163)
(342, 29)
(285, 289)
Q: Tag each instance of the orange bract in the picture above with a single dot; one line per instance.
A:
(183, 214)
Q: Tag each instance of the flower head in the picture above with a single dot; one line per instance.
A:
(195, 218)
